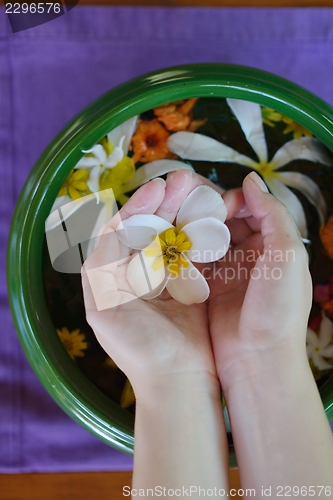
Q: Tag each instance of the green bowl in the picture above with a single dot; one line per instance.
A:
(69, 387)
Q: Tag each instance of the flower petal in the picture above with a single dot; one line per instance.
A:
(328, 352)
(93, 181)
(319, 362)
(306, 186)
(325, 332)
(87, 162)
(250, 119)
(143, 279)
(138, 231)
(201, 147)
(202, 202)
(282, 193)
(189, 287)
(306, 148)
(126, 130)
(99, 152)
(115, 157)
(210, 239)
(154, 169)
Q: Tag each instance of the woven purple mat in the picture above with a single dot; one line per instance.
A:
(47, 74)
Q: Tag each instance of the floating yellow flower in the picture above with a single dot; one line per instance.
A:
(75, 186)
(270, 116)
(117, 177)
(127, 396)
(297, 129)
(74, 342)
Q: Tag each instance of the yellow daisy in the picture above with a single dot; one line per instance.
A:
(76, 185)
(297, 129)
(74, 342)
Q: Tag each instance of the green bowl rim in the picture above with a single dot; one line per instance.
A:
(77, 396)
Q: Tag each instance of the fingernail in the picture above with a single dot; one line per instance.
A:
(243, 212)
(159, 179)
(258, 182)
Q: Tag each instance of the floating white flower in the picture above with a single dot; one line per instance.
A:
(319, 346)
(111, 155)
(200, 147)
(167, 251)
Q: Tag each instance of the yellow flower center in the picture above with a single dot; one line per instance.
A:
(265, 169)
(168, 248)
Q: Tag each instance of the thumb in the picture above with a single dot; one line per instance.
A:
(277, 227)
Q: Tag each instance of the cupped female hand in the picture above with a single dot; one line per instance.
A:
(148, 340)
(261, 291)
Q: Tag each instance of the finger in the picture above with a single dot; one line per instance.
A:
(211, 184)
(179, 184)
(239, 230)
(235, 203)
(145, 200)
(277, 227)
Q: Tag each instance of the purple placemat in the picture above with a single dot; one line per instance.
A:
(47, 74)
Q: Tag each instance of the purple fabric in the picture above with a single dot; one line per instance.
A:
(47, 74)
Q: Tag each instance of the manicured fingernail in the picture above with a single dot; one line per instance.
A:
(159, 179)
(258, 182)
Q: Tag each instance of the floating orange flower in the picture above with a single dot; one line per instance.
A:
(150, 142)
(326, 236)
(177, 115)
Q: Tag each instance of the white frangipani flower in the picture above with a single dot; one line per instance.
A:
(192, 146)
(167, 251)
(319, 346)
(99, 159)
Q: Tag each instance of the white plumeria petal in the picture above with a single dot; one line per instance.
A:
(154, 169)
(327, 352)
(202, 202)
(305, 148)
(312, 338)
(141, 276)
(126, 130)
(88, 162)
(191, 146)
(138, 231)
(158, 289)
(325, 332)
(319, 361)
(306, 186)
(115, 157)
(99, 152)
(93, 181)
(210, 240)
(189, 287)
(295, 208)
(249, 117)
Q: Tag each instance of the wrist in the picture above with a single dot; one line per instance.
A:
(280, 367)
(172, 387)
